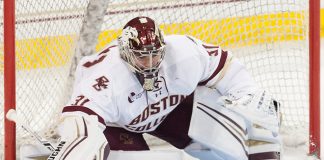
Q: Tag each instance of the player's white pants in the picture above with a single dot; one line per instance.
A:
(235, 131)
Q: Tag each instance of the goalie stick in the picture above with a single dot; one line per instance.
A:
(12, 116)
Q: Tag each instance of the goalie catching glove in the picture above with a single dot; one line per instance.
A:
(81, 138)
(260, 110)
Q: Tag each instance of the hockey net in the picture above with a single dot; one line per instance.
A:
(269, 36)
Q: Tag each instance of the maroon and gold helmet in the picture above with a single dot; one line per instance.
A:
(143, 48)
(142, 41)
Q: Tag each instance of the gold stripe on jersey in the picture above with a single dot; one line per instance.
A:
(222, 73)
(220, 66)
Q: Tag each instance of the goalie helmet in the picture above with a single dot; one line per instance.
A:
(143, 48)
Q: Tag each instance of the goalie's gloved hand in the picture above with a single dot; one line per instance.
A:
(258, 108)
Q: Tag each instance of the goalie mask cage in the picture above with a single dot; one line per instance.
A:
(278, 41)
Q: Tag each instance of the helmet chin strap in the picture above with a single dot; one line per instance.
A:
(147, 81)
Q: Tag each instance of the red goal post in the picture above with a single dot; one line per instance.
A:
(40, 39)
(314, 77)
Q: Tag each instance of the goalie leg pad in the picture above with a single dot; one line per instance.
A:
(33, 151)
(227, 133)
(203, 153)
(263, 143)
(262, 117)
(217, 128)
(103, 152)
(82, 138)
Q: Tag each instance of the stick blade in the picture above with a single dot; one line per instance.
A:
(11, 115)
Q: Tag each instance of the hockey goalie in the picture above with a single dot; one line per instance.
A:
(193, 95)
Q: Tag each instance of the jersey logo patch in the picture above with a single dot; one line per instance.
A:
(133, 96)
(102, 83)
(125, 138)
(159, 84)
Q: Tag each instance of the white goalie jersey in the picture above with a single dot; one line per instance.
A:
(106, 87)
